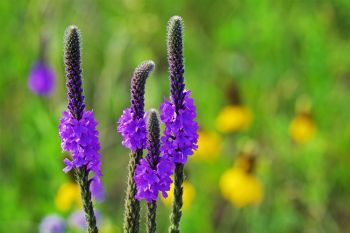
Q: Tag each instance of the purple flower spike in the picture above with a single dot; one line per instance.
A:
(72, 61)
(153, 173)
(41, 79)
(181, 130)
(52, 224)
(80, 137)
(131, 125)
(77, 129)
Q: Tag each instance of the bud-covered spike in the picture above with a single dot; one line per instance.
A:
(175, 60)
(153, 137)
(72, 62)
(138, 83)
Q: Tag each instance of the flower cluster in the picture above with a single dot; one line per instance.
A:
(180, 133)
(80, 137)
(152, 174)
(150, 180)
(41, 79)
(132, 130)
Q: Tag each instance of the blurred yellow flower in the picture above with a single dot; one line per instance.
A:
(209, 145)
(241, 188)
(233, 118)
(188, 194)
(67, 196)
(302, 128)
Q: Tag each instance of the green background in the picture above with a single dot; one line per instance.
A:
(275, 51)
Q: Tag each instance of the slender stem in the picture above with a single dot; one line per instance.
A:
(82, 176)
(132, 206)
(151, 217)
(175, 216)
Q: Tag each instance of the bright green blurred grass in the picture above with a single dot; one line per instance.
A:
(275, 51)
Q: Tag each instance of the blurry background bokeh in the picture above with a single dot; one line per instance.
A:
(271, 81)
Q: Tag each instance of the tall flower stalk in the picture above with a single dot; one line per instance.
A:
(132, 127)
(77, 129)
(153, 173)
(180, 133)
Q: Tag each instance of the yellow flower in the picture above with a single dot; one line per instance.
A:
(188, 194)
(209, 145)
(67, 196)
(302, 128)
(233, 118)
(241, 188)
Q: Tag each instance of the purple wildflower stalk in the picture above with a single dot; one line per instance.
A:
(153, 173)
(178, 114)
(132, 127)
(77, 128)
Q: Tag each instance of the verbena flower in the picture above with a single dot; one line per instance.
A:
(52, 224)
(180, 133)
(80, 137)
(77, 129)
(41, 78)
(131, 124)
(153, 173)
(132, 129)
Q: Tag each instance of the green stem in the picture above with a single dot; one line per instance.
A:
(175, 216)
(82, 176)
(132, 206)
(151, 217)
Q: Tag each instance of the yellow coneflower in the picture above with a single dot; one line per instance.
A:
(241, 188)
(302, 128)
(209, 145)
(67, 196)
(233, 118)
(188, 195)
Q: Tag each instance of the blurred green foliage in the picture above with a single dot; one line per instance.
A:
(275, 51)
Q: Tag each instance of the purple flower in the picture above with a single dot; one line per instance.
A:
(180, 133)
(153, 173)
(52, 224)
(132, 130)
(80, 137)
(131, 125)
(97, 189)
(77, 219)
(41, 78)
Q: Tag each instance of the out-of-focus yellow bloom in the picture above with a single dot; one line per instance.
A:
(209, 145)
(67, 196)
(241, 188)
(233, 118)
(188, 194)
(302, 128)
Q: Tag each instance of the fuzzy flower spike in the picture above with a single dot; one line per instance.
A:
(153, 173)
(77, 129)
(132, 127)
(180, 133)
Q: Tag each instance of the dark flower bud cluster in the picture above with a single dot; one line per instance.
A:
(132, 125)
(72, 62)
